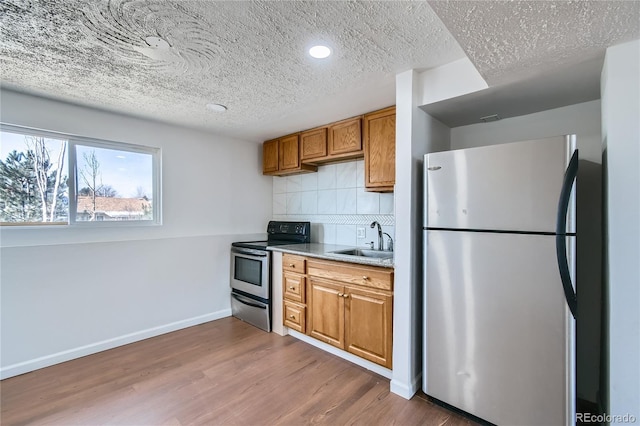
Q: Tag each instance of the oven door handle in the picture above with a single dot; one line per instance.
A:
(249, 252)
(244, 302)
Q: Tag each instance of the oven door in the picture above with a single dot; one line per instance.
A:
(250, 271)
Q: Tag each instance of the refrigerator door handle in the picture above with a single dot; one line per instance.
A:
(561, 232)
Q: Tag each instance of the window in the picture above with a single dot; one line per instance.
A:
(49, 178)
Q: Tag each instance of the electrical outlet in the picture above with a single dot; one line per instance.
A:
(362, 232)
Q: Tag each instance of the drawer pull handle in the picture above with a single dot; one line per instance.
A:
(364, 277)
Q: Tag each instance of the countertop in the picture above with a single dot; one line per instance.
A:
(324, 251)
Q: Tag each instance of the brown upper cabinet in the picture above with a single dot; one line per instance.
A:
(336, 142)
(380, 150)
(282, 156)
(270, 157)
(372, 136)
(288, 153)
(313, 144)
(345, 137)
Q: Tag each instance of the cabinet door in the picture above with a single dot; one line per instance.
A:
(289, 155)
(380, 149)
(270, 156)
(345, 136)
(326, 312)
(368, 322)
(313, 144)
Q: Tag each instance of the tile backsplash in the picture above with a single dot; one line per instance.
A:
(334, 200)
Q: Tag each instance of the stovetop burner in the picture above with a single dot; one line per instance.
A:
(280, 233)
(259, 245)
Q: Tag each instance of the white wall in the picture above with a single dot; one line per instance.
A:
(620, 89)
(336, 203)
(582, 119)
(416, 134)
(448, 81)
(69, 292)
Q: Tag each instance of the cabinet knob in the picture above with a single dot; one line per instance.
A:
(346, 296)
(292, 316)
(340, 295)
(291, 265)
(292, 288)
(364, 277)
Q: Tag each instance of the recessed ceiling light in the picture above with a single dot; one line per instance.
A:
(320, 51)
(216, 107)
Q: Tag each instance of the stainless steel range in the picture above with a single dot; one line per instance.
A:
(251, 271)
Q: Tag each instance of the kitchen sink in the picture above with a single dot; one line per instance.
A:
(366, 253)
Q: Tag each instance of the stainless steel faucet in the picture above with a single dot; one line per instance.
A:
(390, 244)
(380, 240)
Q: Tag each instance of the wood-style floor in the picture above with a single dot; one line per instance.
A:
(224, 372)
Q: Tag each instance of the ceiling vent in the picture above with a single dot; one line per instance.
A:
(490, 118)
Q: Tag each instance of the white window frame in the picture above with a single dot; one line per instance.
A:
(72, 173)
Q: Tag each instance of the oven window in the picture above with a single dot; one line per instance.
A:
(248, 270)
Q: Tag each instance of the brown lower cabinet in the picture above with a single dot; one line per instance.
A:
(294, 282)
(327, 312)
(295, 316)
(348, 306)
(355, 319)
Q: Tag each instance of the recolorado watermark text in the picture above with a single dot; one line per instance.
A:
(605, 418)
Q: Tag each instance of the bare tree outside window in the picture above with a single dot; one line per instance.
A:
(113, 185)
(114, 181)
(141, 193)
(90, 173)
(32, 186)
(40, 153)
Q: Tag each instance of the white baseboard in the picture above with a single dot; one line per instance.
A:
(403, 389)
(406, 390)
(48, 360)
(384, 372)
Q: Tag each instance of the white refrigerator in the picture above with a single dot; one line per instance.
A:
(499, 296)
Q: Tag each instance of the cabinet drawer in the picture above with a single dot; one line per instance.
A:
(349, 273)
(295, 316)
(293, 263)
(294, 286)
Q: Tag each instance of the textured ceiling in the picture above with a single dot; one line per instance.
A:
(249, 56)
(515, 40)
